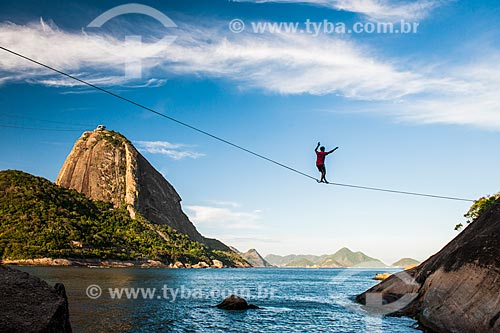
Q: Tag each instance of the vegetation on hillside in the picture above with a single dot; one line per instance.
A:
(40, 219)
(477, 208)
(300, 262)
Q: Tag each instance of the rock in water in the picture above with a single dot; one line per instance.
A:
(105, 166)
(457, 289)
(29, 304)
(234, 302)
(201, 264)
(217, 264)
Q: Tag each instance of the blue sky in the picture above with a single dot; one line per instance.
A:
(417, 112)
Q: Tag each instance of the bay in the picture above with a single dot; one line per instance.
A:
(183, 300)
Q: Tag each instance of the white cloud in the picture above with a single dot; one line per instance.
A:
(373, 9)
(477, 105)
(224, 217)
(290, 64)
(72, 52)
(177, 151)
(99, 81)
(280, 63)
(277, 63)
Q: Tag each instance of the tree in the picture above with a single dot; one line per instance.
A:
(478, 207)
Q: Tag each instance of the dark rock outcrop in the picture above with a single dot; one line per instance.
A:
(455, 290)
(28, 304)
(105, 166)
(234, 302)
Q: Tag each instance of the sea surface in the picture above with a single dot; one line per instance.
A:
(183, 300)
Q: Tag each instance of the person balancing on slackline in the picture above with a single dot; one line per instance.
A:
(320, 161)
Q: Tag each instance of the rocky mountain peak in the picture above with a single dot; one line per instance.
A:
(255, 259)
(105, 166)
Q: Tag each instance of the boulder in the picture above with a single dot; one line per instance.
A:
(217, 264)
(29, 304)
(153, 263)
(201, 264)
(234, 302)
(382, 276)
(178, 264)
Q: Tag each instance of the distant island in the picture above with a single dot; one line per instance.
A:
(340, 259)
(406, 263)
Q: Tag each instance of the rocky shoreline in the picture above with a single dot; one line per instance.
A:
(99, 263)
(29, 304)
(455, 290)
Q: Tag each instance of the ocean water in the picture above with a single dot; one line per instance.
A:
(290, 300)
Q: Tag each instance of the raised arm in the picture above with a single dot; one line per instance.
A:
(334, 149)
(316, 149)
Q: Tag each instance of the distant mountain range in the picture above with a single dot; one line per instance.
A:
(405, 262)
(342, 258)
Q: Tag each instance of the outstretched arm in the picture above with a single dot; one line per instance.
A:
(334, 149)
(316, 149)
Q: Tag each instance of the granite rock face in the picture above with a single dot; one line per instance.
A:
(29, 304)
(457, 289)
(105, 166)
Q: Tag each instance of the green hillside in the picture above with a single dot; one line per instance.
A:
(405, 262)
(328, 261)
(274, 259)
(300, 262)
(40, 219)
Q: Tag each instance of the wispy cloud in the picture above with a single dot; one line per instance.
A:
(294, 64)
(373, 9)
(177, 151)
(276, 63)
(280, 63)
(224, 217)
(478, 105)
(104, 56)
(99, 81)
